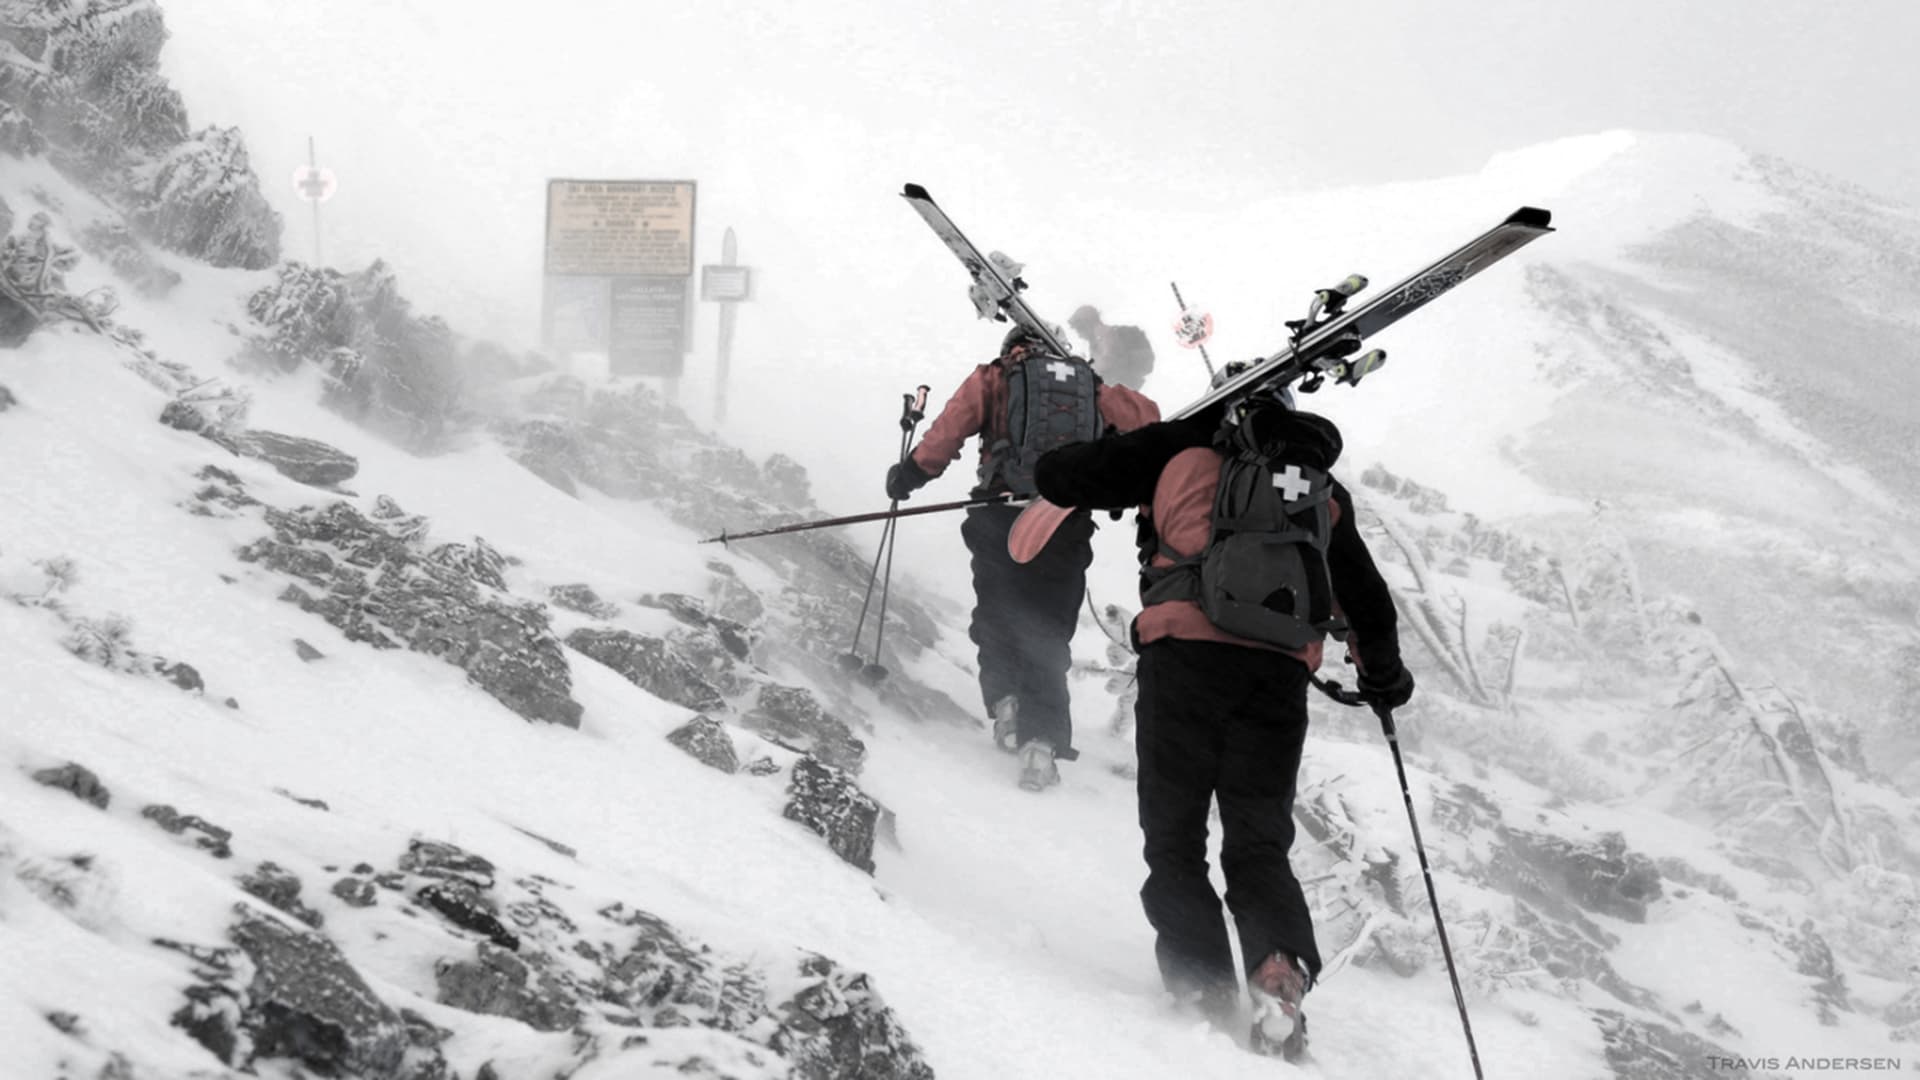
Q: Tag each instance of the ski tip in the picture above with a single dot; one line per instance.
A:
(1531, 216)
(915, 191)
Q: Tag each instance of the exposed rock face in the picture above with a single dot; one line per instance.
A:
(308, 461)
(212, 838)
(1639, 1049)
(837, 1027)
(78, 781)
(281, 888)
(582, 599)
(827, 801)
(648, 662)
(563, 968)
(793, 717)
(499, 983)
(282, 993)
(382, 589)
(706, 739)
(1601, 876)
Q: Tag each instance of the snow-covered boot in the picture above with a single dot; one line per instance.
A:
(1006, 723)
(1037, 770)
(1279, 1026)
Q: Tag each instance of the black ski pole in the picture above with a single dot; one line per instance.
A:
(1347, 697)
(856, 519)
(913, 409)
(1459, 999)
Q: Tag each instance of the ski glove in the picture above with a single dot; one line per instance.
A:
(1392, 686)
(905, 478)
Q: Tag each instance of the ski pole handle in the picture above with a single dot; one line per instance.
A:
(914, 408)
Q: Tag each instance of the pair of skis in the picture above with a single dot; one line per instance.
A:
(1325, 344)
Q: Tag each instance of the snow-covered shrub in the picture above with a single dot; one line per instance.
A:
(84, 81)
(107, 641)
(202, 199)
(41, 586)
(33, 290)
(385, 367)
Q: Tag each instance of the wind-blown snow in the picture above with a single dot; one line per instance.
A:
(1005, 929)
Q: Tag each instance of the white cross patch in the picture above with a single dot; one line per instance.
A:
(1292, 484)
(1060, 370)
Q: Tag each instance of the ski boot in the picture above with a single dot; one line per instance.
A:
(1006, 723)
(1037, 769)
(1279, 1026)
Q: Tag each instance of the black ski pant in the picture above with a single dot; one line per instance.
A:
(1024, 617)
(1226, 722)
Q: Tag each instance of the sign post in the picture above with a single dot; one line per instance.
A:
(619, 272)
(316, 185)
(727, 284)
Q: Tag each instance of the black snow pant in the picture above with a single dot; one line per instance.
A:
(1024, 617)
(1227, 722)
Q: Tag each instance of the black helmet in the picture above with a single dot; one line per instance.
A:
(1021, 335)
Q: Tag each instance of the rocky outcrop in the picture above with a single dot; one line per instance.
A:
(826, 800)
(78, 781)
(707, 741)
(202, 199)
(583, 600)
(498, 983)
(385, 590)
(210, 838)
(308, 461)
(281, 889)
(1600, 875)
(793, 717)
(281, 993)
(650, 664)
(1641, 1049)
(384, 367)
(80, 81)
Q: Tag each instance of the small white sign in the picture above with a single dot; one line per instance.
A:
(725, 283)
(314, 185)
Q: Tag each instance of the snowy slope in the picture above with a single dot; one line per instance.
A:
(1646, 553)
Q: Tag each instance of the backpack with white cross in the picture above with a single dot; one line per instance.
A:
(1051, 401)
(1263, 573)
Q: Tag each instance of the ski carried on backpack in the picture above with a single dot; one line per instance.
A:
(997, 284)
(1327, 343)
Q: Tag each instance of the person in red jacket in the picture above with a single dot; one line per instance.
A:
(1123, 353)
(1222, 717)
(1024, 615)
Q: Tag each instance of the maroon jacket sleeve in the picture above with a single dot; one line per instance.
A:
(1126, 409)
(964, 416)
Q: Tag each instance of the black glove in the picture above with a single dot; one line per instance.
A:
(1391, 685)
(905, 478)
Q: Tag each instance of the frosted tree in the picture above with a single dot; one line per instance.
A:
(1438, 615)
(1756, 755)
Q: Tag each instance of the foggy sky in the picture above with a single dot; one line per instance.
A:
(818, 111)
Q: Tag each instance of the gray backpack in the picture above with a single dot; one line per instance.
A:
(1263, 574)
(1051, 401)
